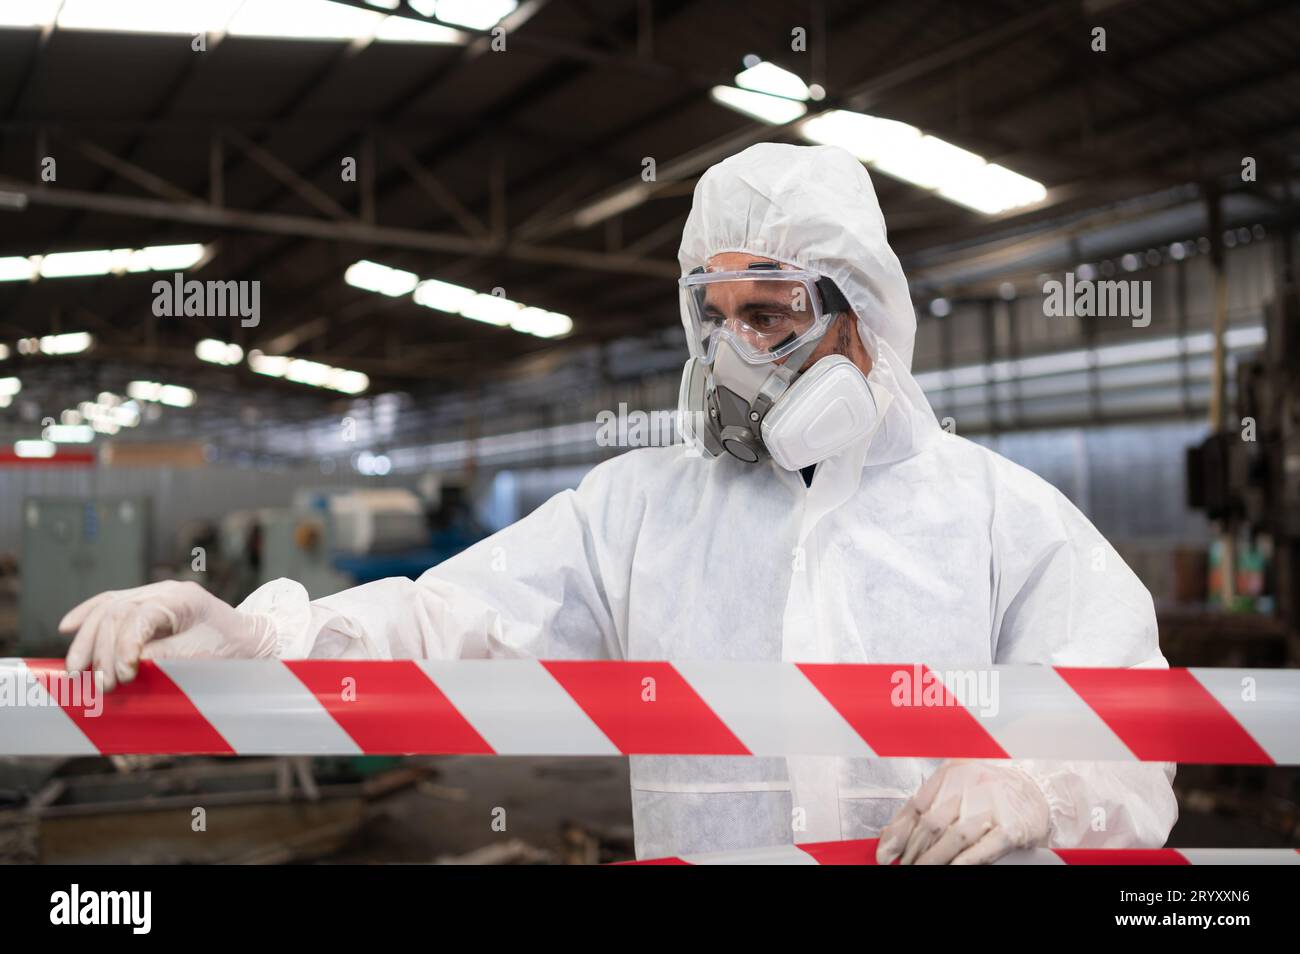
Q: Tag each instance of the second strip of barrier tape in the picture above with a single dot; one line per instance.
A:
(863, 852)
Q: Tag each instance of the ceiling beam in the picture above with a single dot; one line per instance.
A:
(349, 231)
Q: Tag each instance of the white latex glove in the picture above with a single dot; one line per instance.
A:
(170, 620)
(967, 813)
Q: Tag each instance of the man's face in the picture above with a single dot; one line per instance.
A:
(766, 313)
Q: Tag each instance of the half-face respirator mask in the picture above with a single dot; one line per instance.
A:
(750, 334)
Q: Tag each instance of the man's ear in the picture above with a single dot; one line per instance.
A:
(846, 335)
(856, 351)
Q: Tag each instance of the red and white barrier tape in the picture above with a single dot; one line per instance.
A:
(863, 852)
(529, 707)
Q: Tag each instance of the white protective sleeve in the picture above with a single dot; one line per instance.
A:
(1066, 598)
(530, 590)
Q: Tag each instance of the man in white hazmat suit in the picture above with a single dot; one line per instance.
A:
(860, 532)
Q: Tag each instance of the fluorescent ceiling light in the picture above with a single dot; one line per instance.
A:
(542, 323)
(105, 416)
(69, 433)
(170, 394)
(302, 371)
(444, 296)
(16, 268)
(371, 276)
(74, 264)
(272, 365)
(475, 14)
(772, 79)
(993, 189)
(163, 258)
(768, 109)
(504, 313)
(73, 342)
(928, 162)
(28, 13)
(176, 396)
(458, 300)
(282, 19)
(218, 352)
(867, 137)
(407, 30)
(148, 16)
(109, 414)
(492, 309)
(313, 373)
(33, 449)
(349, 382)
(115, 261)
(305, 20)
(127, 414)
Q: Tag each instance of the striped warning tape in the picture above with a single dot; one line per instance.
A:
(863, 852)
(529, 707)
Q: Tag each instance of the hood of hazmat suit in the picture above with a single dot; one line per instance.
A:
(913, 545)
(813, 208)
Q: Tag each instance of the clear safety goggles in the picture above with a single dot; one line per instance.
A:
(767, 314)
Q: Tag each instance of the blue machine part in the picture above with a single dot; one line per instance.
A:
(408, 563)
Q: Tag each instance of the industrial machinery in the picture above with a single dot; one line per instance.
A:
(73, 548)
(332, 539)
(1247, 476)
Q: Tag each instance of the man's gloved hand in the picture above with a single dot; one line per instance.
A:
(967, 813)
(171, 620)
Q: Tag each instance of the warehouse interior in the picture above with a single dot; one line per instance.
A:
(451, 229)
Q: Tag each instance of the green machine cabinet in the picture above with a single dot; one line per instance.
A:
(73, 548)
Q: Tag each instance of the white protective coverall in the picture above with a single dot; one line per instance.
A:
(914, 545)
